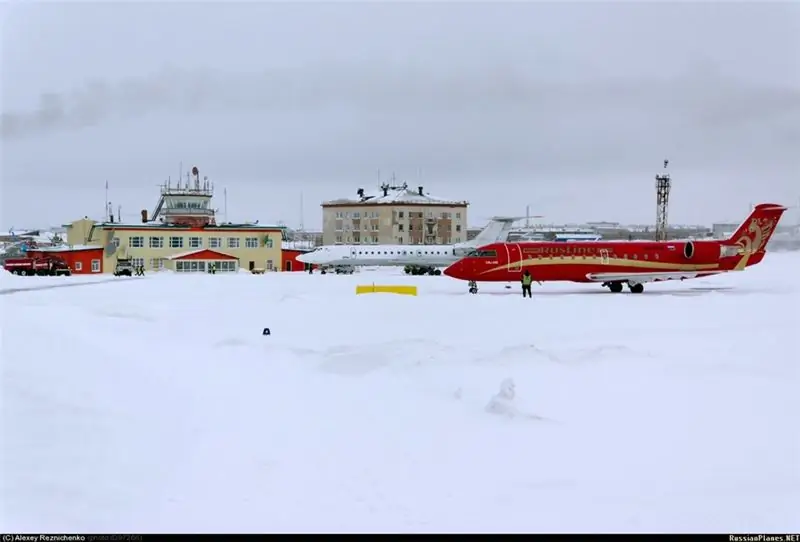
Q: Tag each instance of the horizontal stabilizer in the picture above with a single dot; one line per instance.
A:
(511, 218)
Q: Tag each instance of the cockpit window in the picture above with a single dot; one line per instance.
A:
(487, 254)
(471, 254)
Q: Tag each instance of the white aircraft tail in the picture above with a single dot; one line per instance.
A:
(496, 231)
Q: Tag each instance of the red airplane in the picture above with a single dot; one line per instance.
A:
(616, 263)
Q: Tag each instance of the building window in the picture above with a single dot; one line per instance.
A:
(458, 239)
(176, 242)
(251, 242)
(136, 242)
(95, 266)
(269, 265)
(214, 242)
(338, 238)
(115, 242)
(156, 242)
(399, 240)
(156, 263)
(192, 266)
(78, 266)
(137, 262)
(458, 216)
(227, 266)
(233, 242)
(400, 214)
(356, 215)
(195, 242)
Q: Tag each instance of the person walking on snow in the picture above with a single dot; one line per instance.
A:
(526, 284)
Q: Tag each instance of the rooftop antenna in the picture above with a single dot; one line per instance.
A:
(528, 216)
(663, 185)
(119, 213)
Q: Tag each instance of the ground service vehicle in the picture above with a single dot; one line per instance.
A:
(124, 268)
(44, 266)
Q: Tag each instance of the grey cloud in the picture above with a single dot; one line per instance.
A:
(403, 90)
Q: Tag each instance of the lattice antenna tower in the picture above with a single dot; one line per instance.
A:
(663, 184)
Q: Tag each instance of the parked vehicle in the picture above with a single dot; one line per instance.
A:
(50, 265)
(124, 268)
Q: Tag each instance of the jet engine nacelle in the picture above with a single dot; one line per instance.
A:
(688, 250)
(701, 252)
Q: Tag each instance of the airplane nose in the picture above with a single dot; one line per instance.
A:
(451, 271)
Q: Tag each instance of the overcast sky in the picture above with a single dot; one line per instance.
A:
(569, 107)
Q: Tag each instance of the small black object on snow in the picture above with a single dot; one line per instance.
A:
(266, 331)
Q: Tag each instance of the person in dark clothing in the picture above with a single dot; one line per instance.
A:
(527, 279)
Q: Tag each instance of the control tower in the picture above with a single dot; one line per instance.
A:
(185, 204)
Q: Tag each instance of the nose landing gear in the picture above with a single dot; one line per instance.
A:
(473, 287)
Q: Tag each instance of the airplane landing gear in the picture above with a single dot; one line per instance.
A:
(615, 287)
(473, 287)
(636, 288)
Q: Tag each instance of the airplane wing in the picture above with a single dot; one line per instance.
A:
(648, 277)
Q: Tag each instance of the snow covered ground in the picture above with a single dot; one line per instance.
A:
(155, 405)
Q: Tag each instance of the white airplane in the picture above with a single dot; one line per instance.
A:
(424, 256)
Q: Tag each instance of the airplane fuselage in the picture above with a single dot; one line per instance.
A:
(595, 260)
(385, 255)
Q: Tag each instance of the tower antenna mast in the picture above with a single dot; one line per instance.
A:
(663, 185)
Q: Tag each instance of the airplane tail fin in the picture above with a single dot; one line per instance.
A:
(496, 230)
(754, 233)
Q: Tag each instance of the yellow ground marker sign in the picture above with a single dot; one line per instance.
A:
(375, 289)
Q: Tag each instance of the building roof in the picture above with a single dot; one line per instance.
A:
(212, 255)
(160, 225)
(65, 248)
(395, 195)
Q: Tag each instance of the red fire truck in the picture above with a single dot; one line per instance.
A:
(50, 265)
